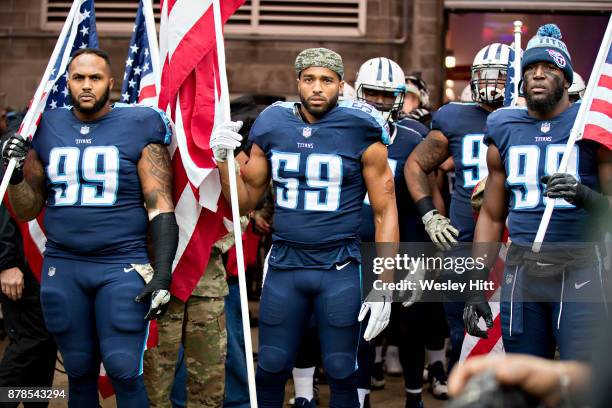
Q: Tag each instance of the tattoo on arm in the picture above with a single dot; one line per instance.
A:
(431, 153)
(28, 197)
(156, 177)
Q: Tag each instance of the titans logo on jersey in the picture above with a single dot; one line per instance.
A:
(94, 197)
(317, 170)
(463, 124)
(406, 135)
(531, 148)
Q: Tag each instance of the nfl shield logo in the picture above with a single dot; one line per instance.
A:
(545, 127)
(84, 130)
(306, 132)
(51, 271)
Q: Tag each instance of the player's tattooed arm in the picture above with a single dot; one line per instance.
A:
(424, 159)
(155, 173)
(492, 217)
(28, 197)
(252, 181)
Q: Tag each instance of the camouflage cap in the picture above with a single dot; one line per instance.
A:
(319, 57)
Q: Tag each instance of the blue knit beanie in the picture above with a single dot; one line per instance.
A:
(546, 45)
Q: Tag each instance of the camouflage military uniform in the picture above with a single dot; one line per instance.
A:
(200, 325)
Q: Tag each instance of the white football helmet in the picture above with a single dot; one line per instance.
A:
(489, 72)
(382, 74)
(576, 90)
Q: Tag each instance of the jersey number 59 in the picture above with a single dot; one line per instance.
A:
(323, 174)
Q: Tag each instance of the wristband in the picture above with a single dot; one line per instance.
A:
(425, 205)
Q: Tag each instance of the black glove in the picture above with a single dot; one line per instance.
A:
(565, 186)
(475, 308)
(16, 147)
(159, 290)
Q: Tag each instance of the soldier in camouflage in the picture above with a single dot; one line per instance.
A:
(200, 325)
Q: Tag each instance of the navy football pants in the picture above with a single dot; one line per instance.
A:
(90, 310)
(288, 299)
(538, 314)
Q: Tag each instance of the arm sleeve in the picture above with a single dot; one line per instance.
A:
(9, 251)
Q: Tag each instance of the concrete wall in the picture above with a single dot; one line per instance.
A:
(254, 65)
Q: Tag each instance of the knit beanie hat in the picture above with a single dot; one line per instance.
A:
(546, 45)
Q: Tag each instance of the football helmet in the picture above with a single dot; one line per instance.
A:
(489, 72)
(576, 90)
(382, 74)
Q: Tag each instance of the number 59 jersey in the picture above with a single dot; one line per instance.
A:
(531, 148)
(317, 171)
(95, 207)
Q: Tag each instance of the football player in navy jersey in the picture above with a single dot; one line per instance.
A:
(322, 157)
(457, 130)
(554, 297)
(103, 173)
(380, 83)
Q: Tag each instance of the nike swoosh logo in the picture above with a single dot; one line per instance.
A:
(126, 270)
(579, 285)
(338, 267)
(543, 264)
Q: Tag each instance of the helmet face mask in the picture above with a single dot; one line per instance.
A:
(489, 72)
(380, 83)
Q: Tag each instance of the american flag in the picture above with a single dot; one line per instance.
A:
(190, 91)
(86, 37)
(598, 123)
(511, 80)
(139, 78)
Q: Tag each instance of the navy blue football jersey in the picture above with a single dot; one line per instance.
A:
(463, 124)
(95, 207)
(407, 134)
(531, 148)
(317, 176)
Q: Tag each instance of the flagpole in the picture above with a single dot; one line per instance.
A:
(577, 129)
(38, 101)
(225, 114)
(147, 9)
(518, 25)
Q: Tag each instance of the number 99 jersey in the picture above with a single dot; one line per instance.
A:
(95, 208)
(316, 169)
(531, 148)
(463, 124)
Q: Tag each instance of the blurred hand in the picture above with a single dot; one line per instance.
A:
(262, 226)
(12, 284)
(536, 376)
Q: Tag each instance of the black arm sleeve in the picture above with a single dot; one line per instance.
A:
(9, 251)
(164, 237)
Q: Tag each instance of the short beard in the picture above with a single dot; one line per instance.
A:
(95, 108)
(319, 112)
(544, 106)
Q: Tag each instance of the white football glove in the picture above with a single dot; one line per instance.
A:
(440, 230)
(225, 138)
(380, 313)
(416, 276)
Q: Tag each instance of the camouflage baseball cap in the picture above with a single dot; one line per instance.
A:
(319, 57)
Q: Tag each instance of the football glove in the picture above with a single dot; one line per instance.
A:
(16, 147)
(565, 186)
(440, 230)
(224, 138)
(475, 308)
(380, 313)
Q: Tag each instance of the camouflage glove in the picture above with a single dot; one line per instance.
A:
(440, 230)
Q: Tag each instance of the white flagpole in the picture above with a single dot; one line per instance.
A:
(147, 9)
(225, 113)
(577, 129)
(518, 25)
(40, 96)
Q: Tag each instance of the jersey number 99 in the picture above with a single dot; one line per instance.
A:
(97, 183)
(325, 192)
